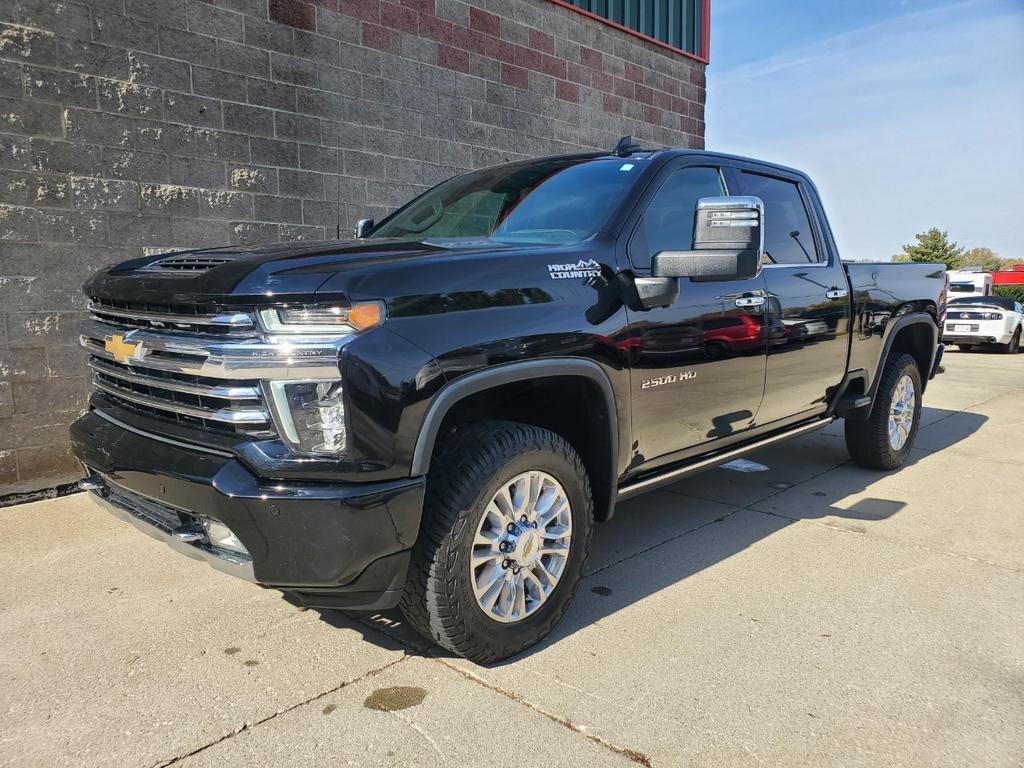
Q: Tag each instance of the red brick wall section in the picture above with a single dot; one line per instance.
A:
(294, 13)
(147, 125)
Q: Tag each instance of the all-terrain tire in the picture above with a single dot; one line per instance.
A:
(468, 469)
(868, 440)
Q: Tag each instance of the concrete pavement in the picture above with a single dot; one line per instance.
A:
(813, 614)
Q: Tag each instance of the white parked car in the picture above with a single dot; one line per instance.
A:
(978, 320)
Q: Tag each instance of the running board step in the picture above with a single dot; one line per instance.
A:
(670, 476)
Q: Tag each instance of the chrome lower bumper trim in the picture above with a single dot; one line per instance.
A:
(238, 569)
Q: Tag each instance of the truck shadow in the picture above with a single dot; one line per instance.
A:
(668, 535)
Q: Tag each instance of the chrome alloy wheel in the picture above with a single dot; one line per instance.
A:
(901, 412)
(521, 546)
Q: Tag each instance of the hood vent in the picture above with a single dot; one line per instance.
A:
(191, 262)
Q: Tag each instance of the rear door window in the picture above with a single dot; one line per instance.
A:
(788, 235)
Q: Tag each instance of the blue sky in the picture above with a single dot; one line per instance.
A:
(907, 114)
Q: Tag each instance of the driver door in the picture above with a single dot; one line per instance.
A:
(698, 365)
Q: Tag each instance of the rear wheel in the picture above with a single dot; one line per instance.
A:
(1013, 346)
(884, 439)
(505, 535)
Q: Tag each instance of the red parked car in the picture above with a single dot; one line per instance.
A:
(732, 335)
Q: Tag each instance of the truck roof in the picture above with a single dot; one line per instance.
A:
(665, 152)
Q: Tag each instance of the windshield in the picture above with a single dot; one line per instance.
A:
(556, 201)
(991, 301)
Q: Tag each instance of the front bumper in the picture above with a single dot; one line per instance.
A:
(333, 545)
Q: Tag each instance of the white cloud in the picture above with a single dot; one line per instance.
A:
(904, 125)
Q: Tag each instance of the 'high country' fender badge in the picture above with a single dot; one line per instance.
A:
(582, 268)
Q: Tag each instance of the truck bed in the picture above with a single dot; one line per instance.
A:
(883, 291)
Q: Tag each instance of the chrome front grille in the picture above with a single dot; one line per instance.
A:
(181, 319)
(227, 403)
(181, 383)
(175, 344)
(202, 366)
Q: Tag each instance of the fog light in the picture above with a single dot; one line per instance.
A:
(222, 537)
(311, 415)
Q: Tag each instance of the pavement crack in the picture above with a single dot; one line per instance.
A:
(632, 755)
(251, 725)
(422, 733)
(575, 689)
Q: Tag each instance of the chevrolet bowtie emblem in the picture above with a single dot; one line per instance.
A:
(120, 349)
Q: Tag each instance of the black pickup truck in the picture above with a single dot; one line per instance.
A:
(435, 414)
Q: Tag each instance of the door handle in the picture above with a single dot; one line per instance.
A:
(750, 301)
(836, 293)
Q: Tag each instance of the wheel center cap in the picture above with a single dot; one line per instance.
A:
(527, 547)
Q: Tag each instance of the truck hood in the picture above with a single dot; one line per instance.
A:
(253, 274)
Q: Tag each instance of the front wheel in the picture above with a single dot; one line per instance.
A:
(505, 535)
(884, 439)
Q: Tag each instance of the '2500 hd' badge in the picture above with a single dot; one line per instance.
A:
(672, 378)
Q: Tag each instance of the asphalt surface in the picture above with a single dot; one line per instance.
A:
(812, 614)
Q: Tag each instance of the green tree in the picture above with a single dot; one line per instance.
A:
(934, 247)
(982, 257)
(1015, 292)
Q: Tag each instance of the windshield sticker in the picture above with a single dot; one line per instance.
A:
(582, 268)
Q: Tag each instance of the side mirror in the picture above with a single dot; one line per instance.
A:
(363, 228)
(728, 242)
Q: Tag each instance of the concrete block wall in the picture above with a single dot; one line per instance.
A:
(134, 126)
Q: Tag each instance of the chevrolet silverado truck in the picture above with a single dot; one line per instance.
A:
(436, 414)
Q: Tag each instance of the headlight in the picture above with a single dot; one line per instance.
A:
(322, 318)
(311, 415)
